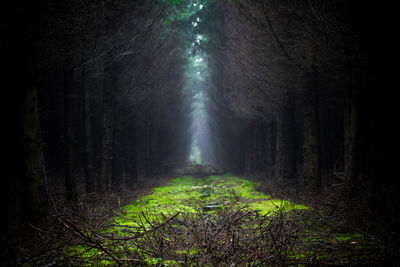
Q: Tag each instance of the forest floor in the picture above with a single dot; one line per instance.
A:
(217, 220)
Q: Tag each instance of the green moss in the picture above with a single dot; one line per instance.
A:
(192, 251)
(188, 195)
(208, 199)
(268, 206)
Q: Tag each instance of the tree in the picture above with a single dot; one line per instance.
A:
(34, 187)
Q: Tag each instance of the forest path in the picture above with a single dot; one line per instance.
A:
(220, 220)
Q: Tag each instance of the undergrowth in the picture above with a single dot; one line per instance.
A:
(213, 221)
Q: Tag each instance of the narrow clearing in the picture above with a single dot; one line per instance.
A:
(218, 221)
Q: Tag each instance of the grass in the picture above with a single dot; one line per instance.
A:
(189, 195)
(217, 221)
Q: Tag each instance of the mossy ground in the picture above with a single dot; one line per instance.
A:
(214, 212)
(190, 194)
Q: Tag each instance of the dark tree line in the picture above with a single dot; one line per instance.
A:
(296, 89)
(91, 96)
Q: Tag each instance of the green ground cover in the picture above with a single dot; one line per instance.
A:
(190, 195)
(210, 221)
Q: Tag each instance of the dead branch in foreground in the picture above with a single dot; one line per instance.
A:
(86, 235)
(230, 237)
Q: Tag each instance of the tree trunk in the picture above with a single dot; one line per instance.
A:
(69, 133)
(311, 146)
(270, 147)
(118, 157)
(155, 150)
(22, 175)
(147, 138)
(88, 166)
(108, 125)
(109, 82)
(34, 188)
(131, 152)
(351, 137)
(286, 141)
(250, 150)
(260, 148)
